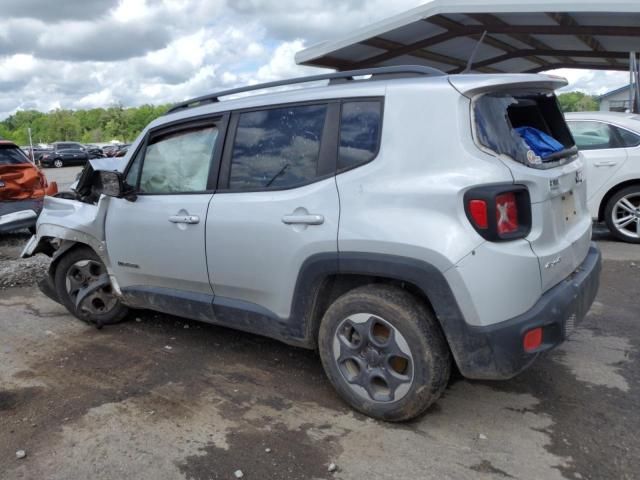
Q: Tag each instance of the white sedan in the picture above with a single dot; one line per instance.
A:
(610, 143)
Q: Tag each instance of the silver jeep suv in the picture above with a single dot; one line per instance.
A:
(394, 220)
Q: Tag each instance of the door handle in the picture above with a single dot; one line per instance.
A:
(609, 163)
(190, 219)
(309, 219)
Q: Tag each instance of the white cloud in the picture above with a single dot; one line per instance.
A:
(86, 53)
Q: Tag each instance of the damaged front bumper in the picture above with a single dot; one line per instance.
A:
(64, 224)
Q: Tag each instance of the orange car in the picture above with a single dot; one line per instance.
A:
(23, 187)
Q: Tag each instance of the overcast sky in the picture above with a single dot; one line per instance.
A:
(93, 53)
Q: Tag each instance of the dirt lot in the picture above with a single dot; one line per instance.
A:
(159, 397)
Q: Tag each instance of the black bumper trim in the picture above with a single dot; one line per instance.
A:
(557, 312)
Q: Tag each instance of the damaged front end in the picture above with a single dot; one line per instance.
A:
(68, 220)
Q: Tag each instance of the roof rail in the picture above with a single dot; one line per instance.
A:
(335, 77)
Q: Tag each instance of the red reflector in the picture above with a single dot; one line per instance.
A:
(507, 213)
(532, 339)
(478, 211)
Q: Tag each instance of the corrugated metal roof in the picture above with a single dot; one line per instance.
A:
(521, 37)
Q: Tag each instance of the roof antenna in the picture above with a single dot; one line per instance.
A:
(473, 54)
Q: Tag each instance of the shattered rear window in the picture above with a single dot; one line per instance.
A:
(498, 115)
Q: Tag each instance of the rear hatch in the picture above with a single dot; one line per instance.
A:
(503, 108)
(19, 178)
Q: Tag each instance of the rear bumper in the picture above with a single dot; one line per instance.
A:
(498, 351)
(18, 214)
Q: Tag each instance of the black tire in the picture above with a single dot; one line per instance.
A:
(610, 214)
(116, 312)
(58, 163)
(430, 364)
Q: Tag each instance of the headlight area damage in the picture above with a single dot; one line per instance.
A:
(73, 220)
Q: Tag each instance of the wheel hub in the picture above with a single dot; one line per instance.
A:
(88, 286)
(373, 357)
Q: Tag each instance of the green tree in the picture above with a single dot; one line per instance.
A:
(577, 102)
(89, 126)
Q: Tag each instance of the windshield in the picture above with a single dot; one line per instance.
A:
(527, 127)
(10, 155)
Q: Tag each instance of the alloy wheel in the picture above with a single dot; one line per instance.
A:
(58, 163)
(626, 215)
(373, 357)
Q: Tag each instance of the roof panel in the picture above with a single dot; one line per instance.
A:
(544, 34)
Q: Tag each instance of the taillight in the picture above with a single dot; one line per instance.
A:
(507, 213)
(478, 213)
(499, 212)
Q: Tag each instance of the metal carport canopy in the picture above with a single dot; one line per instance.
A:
(520, 37)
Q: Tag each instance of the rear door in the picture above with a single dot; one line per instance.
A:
(276, 205)
(603, 150)
(157, 242)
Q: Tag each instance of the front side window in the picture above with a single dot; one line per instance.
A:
(178, 162)
(359, 133)
(593, 135)
(277, 148)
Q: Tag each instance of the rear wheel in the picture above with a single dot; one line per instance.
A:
(622, 214)
(84, 288)
(58, 163)
(384, 353)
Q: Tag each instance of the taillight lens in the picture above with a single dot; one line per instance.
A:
(478, 212)
(507, 213)
(499, 212)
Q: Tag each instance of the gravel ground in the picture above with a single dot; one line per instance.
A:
(15, 272)
(163, 398)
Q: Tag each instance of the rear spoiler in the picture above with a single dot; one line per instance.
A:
(470, 85)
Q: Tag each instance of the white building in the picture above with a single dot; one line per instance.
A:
(615, 101)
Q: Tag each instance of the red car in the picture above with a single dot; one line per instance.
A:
(23, 187)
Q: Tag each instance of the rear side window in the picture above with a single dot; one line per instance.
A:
(502, 118)
(359, 133)
(277, 148)
(593, 135)
(10, 155)
(178, 162)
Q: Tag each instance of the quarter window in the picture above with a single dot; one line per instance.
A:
(359, 133)
(178, 162)
(277, 148)
(629, 139)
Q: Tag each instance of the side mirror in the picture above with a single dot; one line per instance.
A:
(111, 183)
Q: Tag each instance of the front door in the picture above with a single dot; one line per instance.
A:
(156, 243)
(277, 206)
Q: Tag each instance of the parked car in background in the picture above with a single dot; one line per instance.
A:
(113, 150)
(360, 219)
(38, 152)
(94, 151)
(64, 154)
(610, 143)
(122, 150)
(22, 189)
